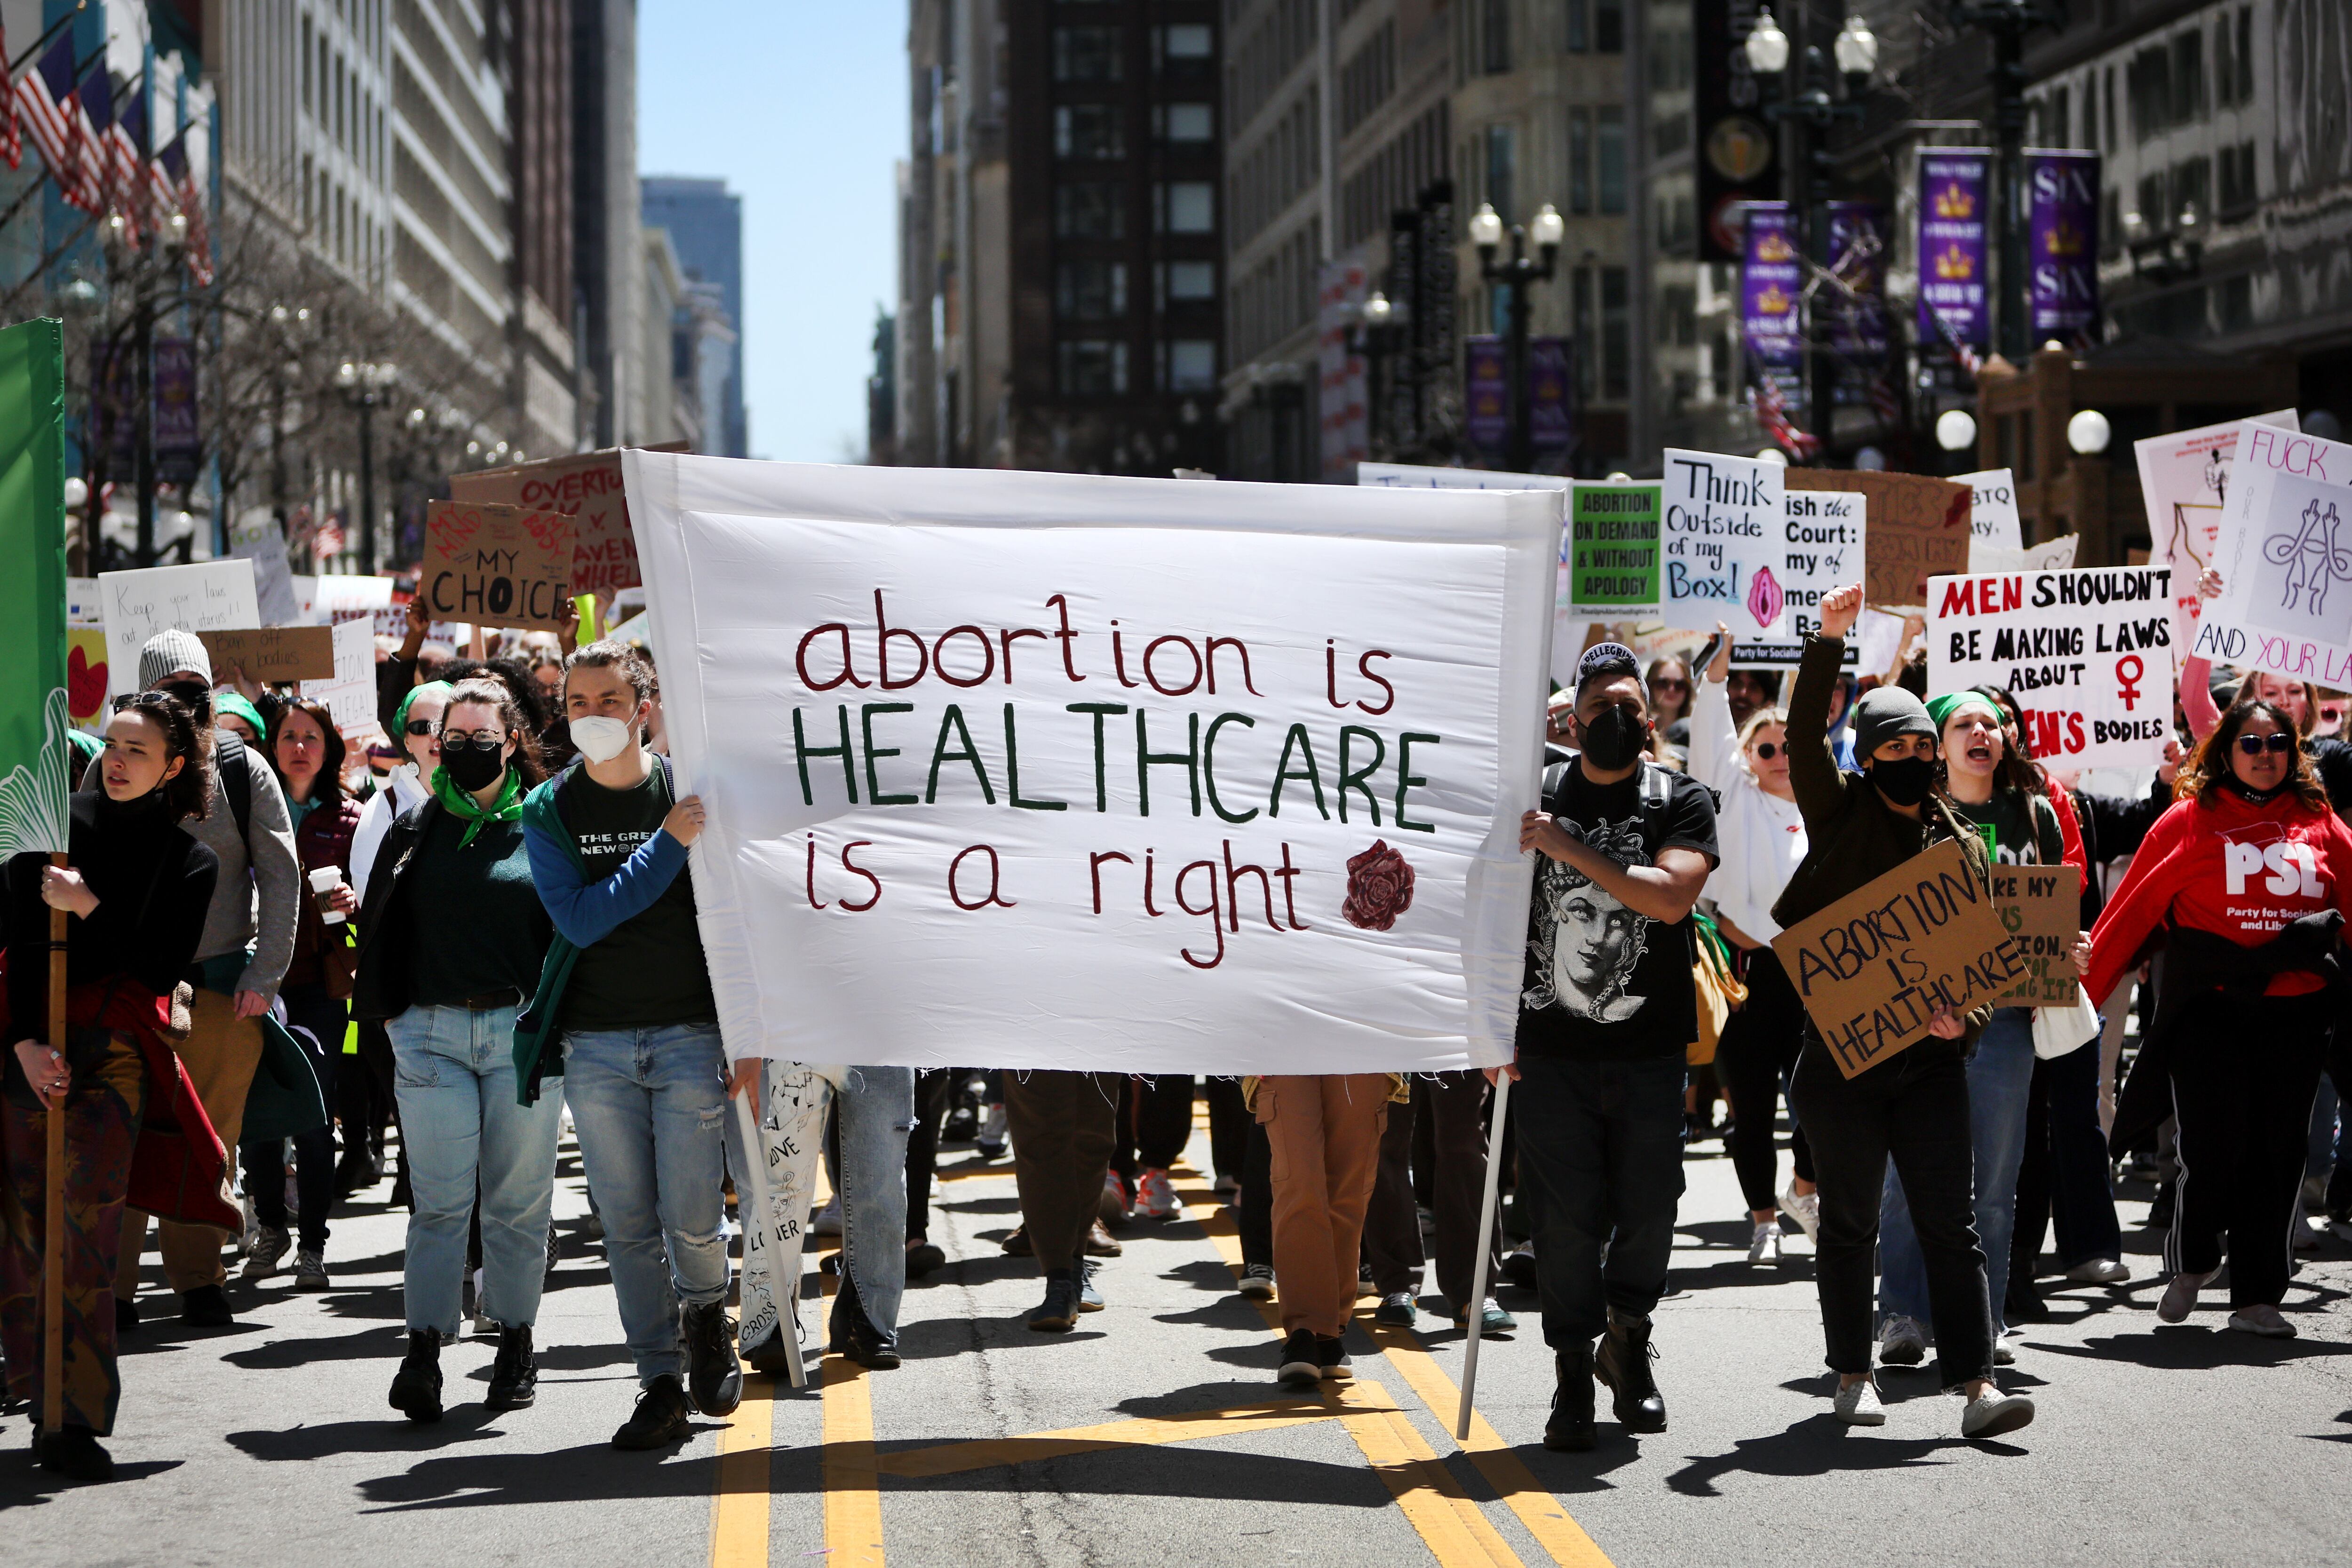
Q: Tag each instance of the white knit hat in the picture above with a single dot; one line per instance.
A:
(173, 650)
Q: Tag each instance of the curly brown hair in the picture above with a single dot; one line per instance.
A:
(2203, 775)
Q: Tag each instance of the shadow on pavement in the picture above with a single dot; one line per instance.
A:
(2198, 1349)
(595, 1472)
(937, 1338)
(366, 1344)
(1817, 1445)
(390, 1434)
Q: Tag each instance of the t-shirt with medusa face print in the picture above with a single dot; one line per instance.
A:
(1605, 982)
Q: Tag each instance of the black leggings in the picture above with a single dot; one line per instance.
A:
(931, 1086)
(1758, 1052)
(317, 1028)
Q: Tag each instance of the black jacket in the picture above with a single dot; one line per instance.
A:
(380, 990)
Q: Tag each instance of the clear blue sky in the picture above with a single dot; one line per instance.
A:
(801, 107)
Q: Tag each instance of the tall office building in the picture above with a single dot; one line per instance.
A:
(1060, 236)
(705, 224)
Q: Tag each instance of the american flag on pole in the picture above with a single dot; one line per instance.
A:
(1772, 413)
(35, 95)
(174, 159)
(122, 148)
(11, 140)
(97, 126)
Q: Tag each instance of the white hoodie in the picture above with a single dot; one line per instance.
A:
(402, 790)
(1761, 838)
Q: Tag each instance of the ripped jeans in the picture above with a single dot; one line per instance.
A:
(878, 1110)
(650, 1106)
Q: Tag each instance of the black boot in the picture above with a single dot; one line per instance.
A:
(712, 1373)
(1570, 1427)
(417, 1386)
(1623, 1363)
(854, 1335)
(74, 1452)
(1059, 1310)
(768, 1358)
(660, 1419)
(514, 1376)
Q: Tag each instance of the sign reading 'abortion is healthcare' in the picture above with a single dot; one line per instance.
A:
(1061, 770)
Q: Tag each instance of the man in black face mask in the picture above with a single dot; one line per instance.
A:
(1606, 1011)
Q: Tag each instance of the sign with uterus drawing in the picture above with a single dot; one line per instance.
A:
(2284, 552)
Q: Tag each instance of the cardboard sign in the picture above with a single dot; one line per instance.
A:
(1993, 513)
(211, 596)
(2042, 908)
(2087, 654)
(587, 490)
(1920, 528)
(1609, 552)
(272, 654)
(1874, 968)
(497, 565)
(2183, 480)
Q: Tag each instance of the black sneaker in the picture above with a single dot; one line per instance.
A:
(75, 1453)
(711, 1369)
(1089, 1299)
(206, 1307)
(1569, 1429)
(1332, 1360)
(514, 1376)
(660, 1419)
(922, 1257)
(855, 1337)
(1302, 1366)
(1058, 1312)
(126, 1315)
(1623, 1363)
(417, 1386)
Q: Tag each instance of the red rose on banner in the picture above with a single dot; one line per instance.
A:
(1379, 887)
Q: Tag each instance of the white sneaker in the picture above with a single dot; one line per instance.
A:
(828, 1219)
(1116, 1207)
(991, 1138)
(2003, 1355)
(1993, 1413)
(1857, 1404)
(2180, 1298)
(2261, 1320)
(1764, 1247)
(1155, 1196)
(2099, 1271)
(1805, 1208)
(1900, 1342)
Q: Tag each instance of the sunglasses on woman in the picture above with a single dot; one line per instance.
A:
(420, 726)
(2274, 742)
(1767, 749)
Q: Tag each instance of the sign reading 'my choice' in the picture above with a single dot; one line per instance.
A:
(495, 565)
(1874, 968)
(586, 489)
(2087, 654)
(1070, 770)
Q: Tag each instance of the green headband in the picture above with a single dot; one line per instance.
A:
(1941, 709)
(400, 715)
(234, 702)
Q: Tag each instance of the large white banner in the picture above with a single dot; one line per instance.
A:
(2087, 655)
(2284, 548)
(1061, 770)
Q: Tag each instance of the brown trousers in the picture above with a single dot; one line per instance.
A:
(1324, 1136)
(1064, 1125)
(221, 1052)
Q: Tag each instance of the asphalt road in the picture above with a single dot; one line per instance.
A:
(1154, 1433)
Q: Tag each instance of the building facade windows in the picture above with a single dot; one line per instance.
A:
(1185, 206)
(1579, 161)
(1609, 156)
(1086, 54)
(1088, 130)
(1089, 210)
(1187, 282)
(1501, 171)
(1090, 291)
(1191, 365)
(1187, 123)
(1092, 367)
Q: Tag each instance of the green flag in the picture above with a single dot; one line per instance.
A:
(32, 714)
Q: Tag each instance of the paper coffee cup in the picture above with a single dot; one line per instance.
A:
(323, 883)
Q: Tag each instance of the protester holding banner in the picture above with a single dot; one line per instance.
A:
(248, 942)
(1992, 787)
(452, 934)
(1913, 1108)
(2250, 876)
(139, 889)
(1607, 1010)
(308, 754)
(627, 994)
(1763, 839)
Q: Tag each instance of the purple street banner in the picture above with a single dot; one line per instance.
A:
(1771, 282)
(1955, 188)
(2063, 239)
(1486, 387)
(177, 444)
(1857, 321)
(113, 427)
(1551, 410)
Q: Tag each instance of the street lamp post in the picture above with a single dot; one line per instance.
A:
(2006, 23)
(1811, 110)
(363, 386)
(1376, 336)
(1519, 272)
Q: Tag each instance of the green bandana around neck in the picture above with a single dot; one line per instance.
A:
(472, 812)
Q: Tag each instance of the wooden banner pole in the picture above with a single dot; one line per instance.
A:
(1486, 1250)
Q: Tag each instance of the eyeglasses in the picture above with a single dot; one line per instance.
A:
(1767, 749)
(478, 740)
(2274, 742)
(1665, 685)
(419, 726)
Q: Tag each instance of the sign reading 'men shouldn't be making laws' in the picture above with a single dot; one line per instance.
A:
(2088, 654)
(1075, 772)
(1874, 968)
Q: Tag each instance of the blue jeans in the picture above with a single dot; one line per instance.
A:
(1600, 1151)
(2000, 1075)
(453, 1073)
(651, 1109)
(876, 1111)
